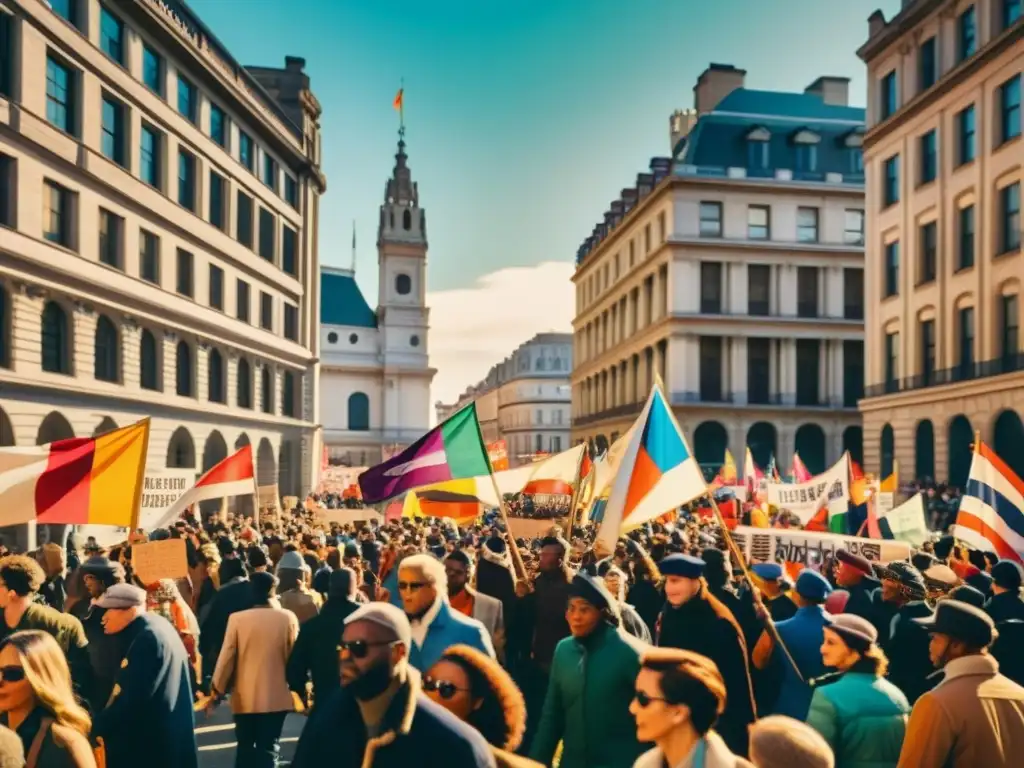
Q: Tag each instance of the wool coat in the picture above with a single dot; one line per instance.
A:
(253, 661)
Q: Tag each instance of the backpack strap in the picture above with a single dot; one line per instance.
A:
(37, 742)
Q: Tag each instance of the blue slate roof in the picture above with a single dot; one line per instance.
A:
(803, 106)
(342, 303)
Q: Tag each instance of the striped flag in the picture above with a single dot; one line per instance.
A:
(80, 481)
(234, 476)
(991, 515)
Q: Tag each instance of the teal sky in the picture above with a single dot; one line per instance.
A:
(525, 118)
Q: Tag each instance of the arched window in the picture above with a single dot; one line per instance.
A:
(887, 451)
(406, 220)
(4, 327)
(55, 342)
(266, 390)
(105, 354)
(288, 394)
(181, 451)
(215, 377)
(183, 369)
(149, 361)
(358, 412)
(244, 384)
(403, 284)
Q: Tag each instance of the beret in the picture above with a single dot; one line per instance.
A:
(859, 562)
(122, 596)
(687, 566)
(811, 585)
(767, 571)
(857, 632)
(593, 591)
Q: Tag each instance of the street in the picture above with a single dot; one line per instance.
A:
(216, 738)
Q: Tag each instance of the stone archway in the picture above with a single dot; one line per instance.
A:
(266, 463)
(809, 442)
(924, 450)
(106, 425)
(1008, 441)
(762, 440)
(181, 450)
(710, 442)
(54, 427)
(215, 450)
(287, 472)
(242, 505)
(960, 444)
(853, 443)
(887, 444)
(9, 534)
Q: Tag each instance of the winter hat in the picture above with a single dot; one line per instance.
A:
(1007, 575)
(340, 584)
(812, 586)
(385, 615)
(101, 565)
(496, 544)
(592, 590)
(857, 632)
(122, 596)
(293, 561)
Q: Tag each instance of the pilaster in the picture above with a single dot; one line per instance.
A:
(131, 368)
(83, 339)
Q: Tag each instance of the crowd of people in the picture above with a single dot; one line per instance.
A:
(419, 642)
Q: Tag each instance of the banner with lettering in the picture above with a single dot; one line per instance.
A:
(805, 499)
(160, 490)
(809, 549)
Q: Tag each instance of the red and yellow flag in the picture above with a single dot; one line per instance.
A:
(397, 104)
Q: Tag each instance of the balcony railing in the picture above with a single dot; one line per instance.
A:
(958, 373)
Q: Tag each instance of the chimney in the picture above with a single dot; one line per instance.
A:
(831, 90)
(602, 231)
(876, 23)
(294, 64)
(629, 198)
(618, 210)
(680, 123)
(609, 220)
(715, 83)
(644, 184)
(660, 167)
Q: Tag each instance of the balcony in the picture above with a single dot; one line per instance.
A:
(957, 374)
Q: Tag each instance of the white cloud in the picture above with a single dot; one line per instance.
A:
(473, 328)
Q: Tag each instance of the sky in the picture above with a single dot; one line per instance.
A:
(524, 120)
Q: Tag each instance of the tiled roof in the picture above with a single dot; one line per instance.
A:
(342, 303)
(799, 106)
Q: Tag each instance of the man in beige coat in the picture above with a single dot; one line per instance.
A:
(252, 668)
(974, 718)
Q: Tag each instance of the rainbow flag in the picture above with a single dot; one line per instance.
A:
(80, 481)
(453, 450)
(658, 472)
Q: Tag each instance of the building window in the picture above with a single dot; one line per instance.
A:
(853, 372)
(807, 292)
(856, 155)
(853, 227)
(758, 222)
(153, 70)
(266, 311)
(928, 61)
(269, 171)
(711, 369)
(710, 287)
(291, 191)
(892, 361)
(56, 339)
(759, 370)
(149, 257)
(1009, 109)
(808, 382)
(710, 223)
(288, 240)
(216, 287)
(112, 140)
(111, 239)
(662, 236)
(892, 269)
(759, 283)
(288, 394)
(243, 227)
(242, 301)
(928, 158)
(965, 135)
(66, 9)
(186, 282)
(1009, 346)
(403, 284)
(111, 35)
(806, 158)
(928, 351)
(291, 322)
(965, 253)
(106, 365)
(268, 235)
(215, 377)
(60, 96)
(891, 186)
(807, 225)
(967, 34)
(853, 293)
(217, 201)
(243, 384)
(757, 155)
(6, 54)
(57, 214)
(8, 190)
(246, 155)
(186, 180)
(888, 96)
(1009, 218)
(183, 370)
(965, 325)
(266, 390)
(929, 252)
(148, 361)
(150, 142)
(1011, 12)
(218, 125)
(188, 99)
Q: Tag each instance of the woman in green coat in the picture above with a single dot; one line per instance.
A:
(591, 686)
(862, 715)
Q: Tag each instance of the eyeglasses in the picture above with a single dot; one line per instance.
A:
(443, 688)
(411, 586)
(359, 648)
(12, 674)
(644, 700)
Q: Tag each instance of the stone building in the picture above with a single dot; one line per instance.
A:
(944, 262)
(734, 270)
(159, 205)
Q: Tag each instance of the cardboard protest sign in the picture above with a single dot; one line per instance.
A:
(157, 560)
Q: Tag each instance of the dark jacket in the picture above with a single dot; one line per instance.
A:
(910, 667)
(1005, 607)
(543, 616)
(59, 745)
(315, 655)
(415, 732)
(860, 602)
(105, 651)
(231, 598)
(150, 712)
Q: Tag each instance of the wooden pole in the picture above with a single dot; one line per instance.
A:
(575, 492)
(517, 558)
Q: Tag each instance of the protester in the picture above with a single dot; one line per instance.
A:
(467, 601)
(778, 741)
(855, 575)
(98, 574)
(615, 580)
(37, 702)
(1006, 603)
(234, 595)
(294, 591)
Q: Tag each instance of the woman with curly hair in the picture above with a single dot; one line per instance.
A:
(474, 688)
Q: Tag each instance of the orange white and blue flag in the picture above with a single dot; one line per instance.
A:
(991, 515)
(658, 472)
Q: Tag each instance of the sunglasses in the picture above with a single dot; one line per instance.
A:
(12, 674)
(411, 586)
(443, 688)
(644, 700)
(359, 648)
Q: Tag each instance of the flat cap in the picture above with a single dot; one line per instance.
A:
(687, 566)
(942, 575)
(385, 615)
(859, 562)
(122, 596)
(960, 621)
(767, 571)
(811, 585)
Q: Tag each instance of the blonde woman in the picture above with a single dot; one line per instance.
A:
(37, 702)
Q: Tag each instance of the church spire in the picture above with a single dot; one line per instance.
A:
(401, 189)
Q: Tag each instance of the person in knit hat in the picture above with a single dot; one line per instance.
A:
(294, 591)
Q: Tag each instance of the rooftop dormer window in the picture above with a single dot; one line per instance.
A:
(757, 148)
(852, 143)
(806, 142)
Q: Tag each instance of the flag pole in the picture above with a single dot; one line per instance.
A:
(576, 490)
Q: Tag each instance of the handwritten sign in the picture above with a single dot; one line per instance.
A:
(805, 499)
(810, 549)
(160, 490)
(160, 560)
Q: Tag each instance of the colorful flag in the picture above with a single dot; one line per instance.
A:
(799, 470)
(752, 476)
(991, 515)
(658, 472)
(727, 474)
(80, 481)
(399, 99)
(234, 476)
(906, 522)
(453, 450)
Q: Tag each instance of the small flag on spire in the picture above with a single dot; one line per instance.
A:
(398, 99)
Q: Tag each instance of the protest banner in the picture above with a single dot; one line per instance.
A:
(805, 499)
(157, 560)
(160, 490)
(810, 549)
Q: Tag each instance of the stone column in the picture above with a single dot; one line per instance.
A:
(169, 369)
(202, 360)
(27, 301)
(824, 360)
(83, 338)
(739, 370)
